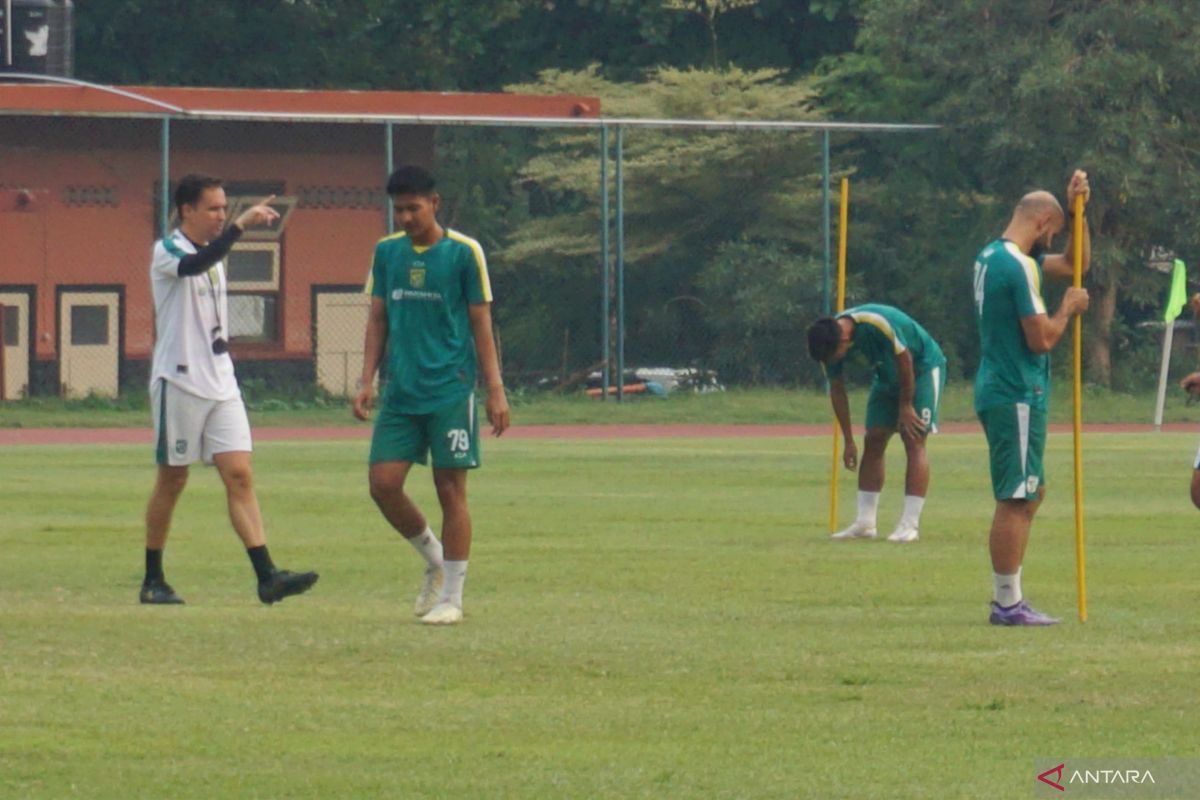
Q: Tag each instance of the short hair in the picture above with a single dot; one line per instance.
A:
(411, 180)
(190, 188)
(824, 338)
(1038, 202)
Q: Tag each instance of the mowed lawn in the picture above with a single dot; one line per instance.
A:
(645, 618)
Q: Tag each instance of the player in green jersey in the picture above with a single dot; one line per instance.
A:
(910, 374)
(1012, 386)
(431, 314)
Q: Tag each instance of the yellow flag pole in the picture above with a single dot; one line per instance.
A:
(843, 219)
(1080, 559)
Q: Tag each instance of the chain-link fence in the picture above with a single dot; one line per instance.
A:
(623, 257)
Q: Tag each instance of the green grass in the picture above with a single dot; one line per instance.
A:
(746, 406)
(646, 619)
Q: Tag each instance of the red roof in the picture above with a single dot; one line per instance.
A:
(96, 101)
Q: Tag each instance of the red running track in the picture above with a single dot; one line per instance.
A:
(77, 436)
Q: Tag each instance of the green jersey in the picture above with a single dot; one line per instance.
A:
(880, 334)
(1008, 287)
(427, 291)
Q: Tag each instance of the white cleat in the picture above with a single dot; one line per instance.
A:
(431, 588)
(444, 613)
(855, 531)
(904, 533)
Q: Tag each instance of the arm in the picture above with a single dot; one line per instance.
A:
(198, 262)
(1042, 332)
(1063, 265)
(841, 411)
(489, 365)
(910, 424)
(373, 345)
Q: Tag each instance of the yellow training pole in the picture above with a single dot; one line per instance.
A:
(1080, 569)
(840, 307)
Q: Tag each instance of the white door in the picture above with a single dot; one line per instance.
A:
(341, 324)
(89, 343)
(14, 337)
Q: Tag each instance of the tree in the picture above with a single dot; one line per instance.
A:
(688, 196)
(1028, 90)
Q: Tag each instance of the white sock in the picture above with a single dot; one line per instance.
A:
(428, 546)
(912, 510)
(456, 573)
(1007, 591)
(868, 506)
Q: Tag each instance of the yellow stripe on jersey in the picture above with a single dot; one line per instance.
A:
(871, 318)
(480, 261)
(1033, 278)
(370, 284)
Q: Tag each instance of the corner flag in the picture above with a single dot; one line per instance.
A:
(1177, 299)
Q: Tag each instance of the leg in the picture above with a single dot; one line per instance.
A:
(454, 446)
(451, 487)
(168, 486)
(238, 476)
(387, 490)
(870, 482)
(916, 484)
(1016, 437)
(1196, 488)
(1009, 535)
(916, 473)
(870, 471)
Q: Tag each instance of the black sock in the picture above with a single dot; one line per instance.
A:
(261, 560)
(154, 570)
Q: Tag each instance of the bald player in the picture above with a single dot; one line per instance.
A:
(1012, 386)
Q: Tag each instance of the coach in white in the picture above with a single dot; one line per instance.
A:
(197, 405)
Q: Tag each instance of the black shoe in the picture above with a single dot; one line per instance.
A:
(159, 593)
(283, 584)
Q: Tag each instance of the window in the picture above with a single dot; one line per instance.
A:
(11, 335)
(253, 317)
(89, 324)
(253, 266)
(252, 273)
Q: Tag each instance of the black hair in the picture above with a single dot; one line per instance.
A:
(411, 180)
(190, 188)
(824, 337)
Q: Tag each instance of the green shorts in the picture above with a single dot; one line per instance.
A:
(451, 433)
(883, 404)
(1016, 436)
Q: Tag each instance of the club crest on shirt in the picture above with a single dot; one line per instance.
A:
(416, 277)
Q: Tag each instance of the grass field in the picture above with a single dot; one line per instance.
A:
(757, 406)
(645, 619)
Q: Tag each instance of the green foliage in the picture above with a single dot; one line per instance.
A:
(688, 194)
(1027, 92)
(444, 45)
(758, 298)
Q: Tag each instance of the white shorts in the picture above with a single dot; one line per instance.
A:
(188, 428)
(1196, 462)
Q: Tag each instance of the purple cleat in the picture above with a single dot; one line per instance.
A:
(1020, 614)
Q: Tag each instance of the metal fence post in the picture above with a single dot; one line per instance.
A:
(605, 276)
(620, 264)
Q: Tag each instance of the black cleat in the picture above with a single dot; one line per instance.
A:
(283, 584)
(159, 593)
